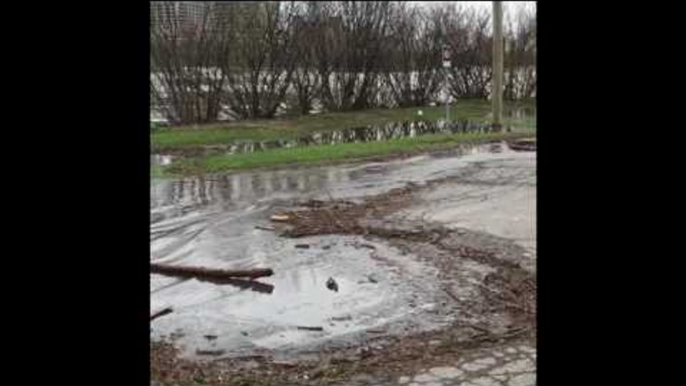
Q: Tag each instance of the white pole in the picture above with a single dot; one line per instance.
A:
(446, 66)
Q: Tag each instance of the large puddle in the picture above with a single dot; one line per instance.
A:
(371, 133)
(211, 222)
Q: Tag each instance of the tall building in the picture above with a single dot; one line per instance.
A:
(181, 14)
(189, 14)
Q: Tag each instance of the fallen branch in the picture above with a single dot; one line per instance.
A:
(310, 328)
(162, 312)
(210, 352)
(205, 273)
(252, 285)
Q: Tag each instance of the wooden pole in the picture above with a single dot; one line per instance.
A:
(497, 91)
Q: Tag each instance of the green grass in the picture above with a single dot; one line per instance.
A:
(190, 137)
(156, 171)
(342, 152)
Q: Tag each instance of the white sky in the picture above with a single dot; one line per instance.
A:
(476, 4)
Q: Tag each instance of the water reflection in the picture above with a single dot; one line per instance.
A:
(524, 112)
(373, 133)
(241, 187)
(171, 198)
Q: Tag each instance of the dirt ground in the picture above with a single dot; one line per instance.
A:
(487, 278)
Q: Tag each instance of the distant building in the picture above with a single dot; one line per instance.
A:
(188, 15)
(181, 14)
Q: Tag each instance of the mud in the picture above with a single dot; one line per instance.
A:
(414, 287)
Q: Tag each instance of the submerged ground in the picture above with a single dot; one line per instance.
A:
(332, 137)
(433, 255)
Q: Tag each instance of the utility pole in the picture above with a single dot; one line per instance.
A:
(497, 89)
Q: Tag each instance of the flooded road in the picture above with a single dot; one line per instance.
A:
(211, 222)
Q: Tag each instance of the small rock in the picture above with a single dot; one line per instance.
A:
(332, 285)
(523, 380)
(403, 380)
(210, 337)
(446, 372)
(303, 246)
(479, 364)
(425, 378)
(482, 381)
(365, 352)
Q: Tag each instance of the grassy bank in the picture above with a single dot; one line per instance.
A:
(189, 137)
(329, 154)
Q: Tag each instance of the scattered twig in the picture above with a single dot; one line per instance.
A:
(279, 218)
(162, 312)
(210, 352)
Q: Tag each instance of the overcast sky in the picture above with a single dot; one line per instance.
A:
(477, 4)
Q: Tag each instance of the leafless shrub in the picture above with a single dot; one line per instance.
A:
(414, 75)
(264, 60)
(187, 71)
(520, 58)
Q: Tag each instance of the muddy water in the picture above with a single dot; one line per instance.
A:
(211, 222)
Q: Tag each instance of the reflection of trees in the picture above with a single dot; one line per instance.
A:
(237, 187)
(386, 132)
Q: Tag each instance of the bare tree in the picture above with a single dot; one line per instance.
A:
(349, 65)
(470, 45)
(520, 56)
(186, 65)
(247, 59)
(414, 73)
(263, 65)
(306, 80)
